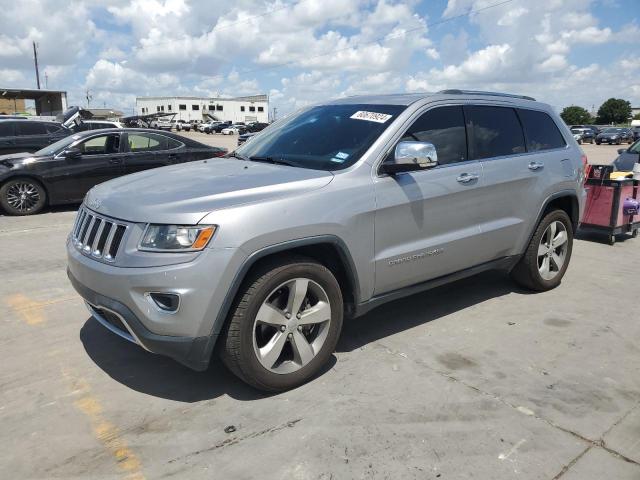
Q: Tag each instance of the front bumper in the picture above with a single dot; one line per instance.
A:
(193, 352)
(117, 298)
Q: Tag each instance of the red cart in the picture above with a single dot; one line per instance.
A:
(604, 208)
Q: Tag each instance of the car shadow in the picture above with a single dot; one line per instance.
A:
(422, 308)
(161, 376)
(165, 378)
(50, 209)
(596, 237)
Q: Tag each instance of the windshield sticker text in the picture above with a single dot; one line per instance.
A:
(371, 116)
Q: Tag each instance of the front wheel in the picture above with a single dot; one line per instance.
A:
(284, 325)
(22, 196)
(546, 259)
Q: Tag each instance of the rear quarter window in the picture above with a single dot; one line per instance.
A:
(540, 131)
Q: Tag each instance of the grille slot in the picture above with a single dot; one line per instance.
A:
(97, 236)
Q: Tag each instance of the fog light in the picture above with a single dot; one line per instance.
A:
(167, 302)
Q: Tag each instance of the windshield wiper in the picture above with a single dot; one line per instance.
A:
(271, 160)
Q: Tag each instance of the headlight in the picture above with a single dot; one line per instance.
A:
(176, 238)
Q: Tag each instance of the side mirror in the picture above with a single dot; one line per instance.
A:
(621, 150)
(73, 154)
(411, 156)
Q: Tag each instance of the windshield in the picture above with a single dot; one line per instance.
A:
(575, 130)
(327, 137)
(58, 146)
(613, 130)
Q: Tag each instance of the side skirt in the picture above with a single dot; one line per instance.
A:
(505, 264)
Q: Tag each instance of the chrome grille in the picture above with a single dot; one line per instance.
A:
(97, 236)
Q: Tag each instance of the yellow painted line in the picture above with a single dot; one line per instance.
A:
(105, 431)
(31, 311)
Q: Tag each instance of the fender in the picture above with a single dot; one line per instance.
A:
(575, 214)
(345, 257)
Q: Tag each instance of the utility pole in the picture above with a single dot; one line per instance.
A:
(46, 80)
(273, 117)
(35, 58)
(88, 97)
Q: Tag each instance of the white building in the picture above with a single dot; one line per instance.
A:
(240, 109)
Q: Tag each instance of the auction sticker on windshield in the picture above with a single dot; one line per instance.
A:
(371, 116)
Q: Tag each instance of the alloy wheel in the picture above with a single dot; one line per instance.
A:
(291, 325)
(552, 250)
(23, 196)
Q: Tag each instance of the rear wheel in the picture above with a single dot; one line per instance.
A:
(284, 325)
(22, 196)
(546, 259)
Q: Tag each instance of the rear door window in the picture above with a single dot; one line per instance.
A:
(444, 127)
(147, 142)
(541, 131)
(494, 131)
(27, 127)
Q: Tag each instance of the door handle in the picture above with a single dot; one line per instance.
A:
(115, 161)
(535, 166)
(467, 177)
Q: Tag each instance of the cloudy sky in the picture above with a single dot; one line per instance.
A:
(299, 51)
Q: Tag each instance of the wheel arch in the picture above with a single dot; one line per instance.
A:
(328, 250)
(566, 200)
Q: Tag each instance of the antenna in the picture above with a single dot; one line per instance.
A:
(35, 59)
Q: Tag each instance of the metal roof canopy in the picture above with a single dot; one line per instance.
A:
(48, 102)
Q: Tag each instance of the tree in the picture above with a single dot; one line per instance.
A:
(575, 115)
(637, 116)
(614, 110)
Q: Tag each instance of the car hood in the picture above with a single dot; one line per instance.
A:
(185, 193)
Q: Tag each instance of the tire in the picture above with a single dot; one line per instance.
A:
(245, 336)
(528, 272)
(618, 142)
(13, 202)
(597, 143)
(611, 239)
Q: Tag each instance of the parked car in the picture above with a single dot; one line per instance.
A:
(256, 126)
(583, 135)
(627, 158)
(181, 125)
(234, 129)
(615, 135)
(164, 124)
(329, 213)
(208, 127)
(242, 138)
(577, 136)
(64, 171)
(96, 125)
(218, 128)
(29, 135)
(636, 132)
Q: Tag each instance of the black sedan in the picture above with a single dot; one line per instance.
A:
(628, 158)
(65, 171)
(615, 135)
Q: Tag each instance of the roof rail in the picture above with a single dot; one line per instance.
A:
(477, 92)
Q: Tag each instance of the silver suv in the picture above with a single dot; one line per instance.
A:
(325, 215)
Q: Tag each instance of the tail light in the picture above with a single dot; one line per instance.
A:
(585, 167)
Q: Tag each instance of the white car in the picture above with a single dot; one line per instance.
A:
(232, 130)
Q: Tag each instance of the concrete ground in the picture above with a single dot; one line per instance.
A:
(477, 379)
